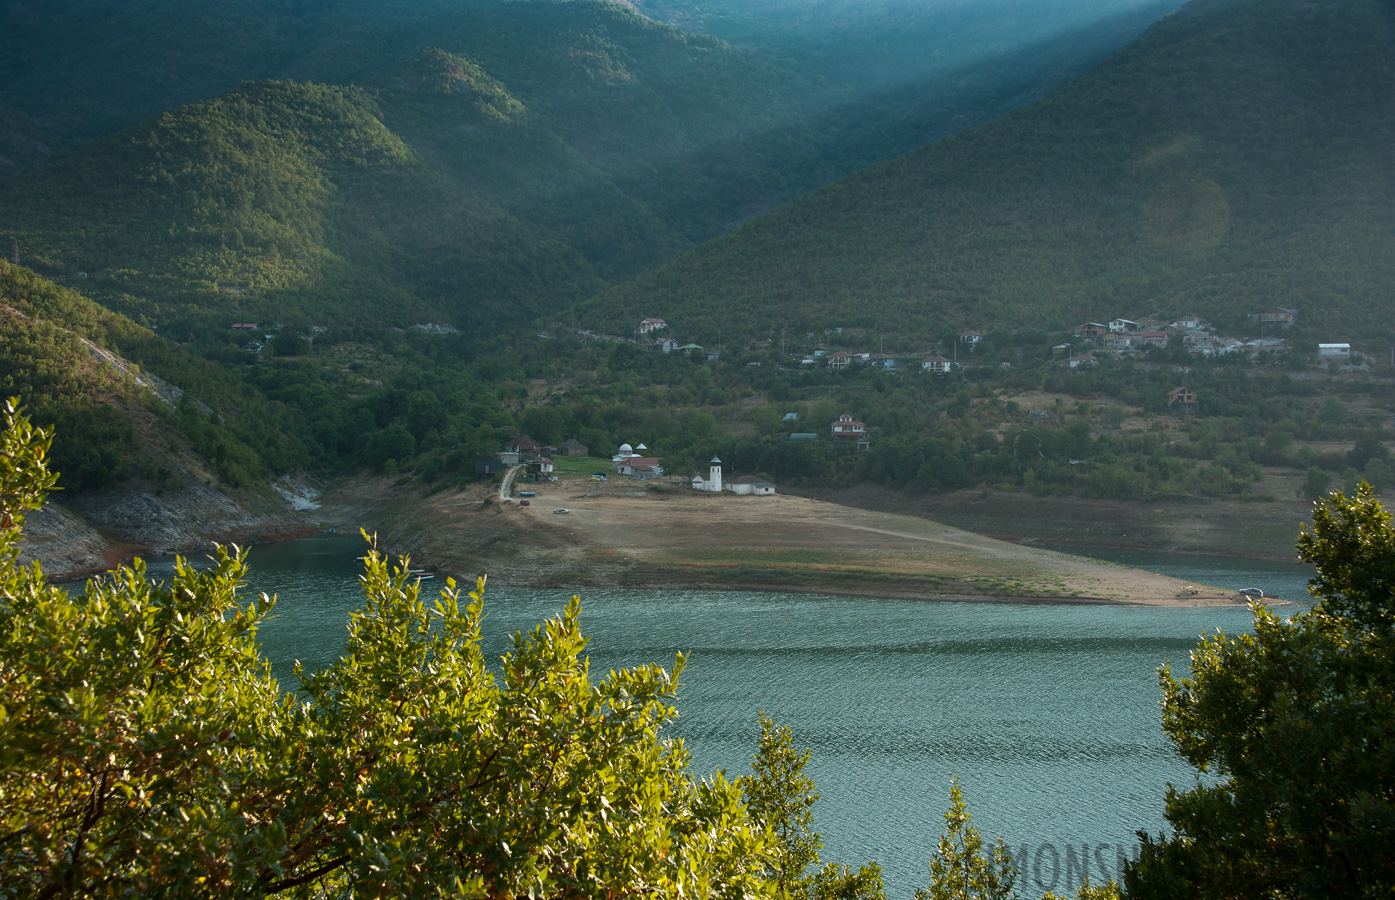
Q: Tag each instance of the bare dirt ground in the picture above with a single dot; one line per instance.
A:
(676, 537)
(1264, 529)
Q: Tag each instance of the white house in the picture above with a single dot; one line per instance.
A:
(937, 364)
(648, 325)
(1124, 326)
(848, 429)
(1334, 351)
(750, 484)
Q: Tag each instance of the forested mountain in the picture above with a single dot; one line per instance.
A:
(1234, 158)
(495, 162)
(437, 193)
(22, 143)
(82, 69)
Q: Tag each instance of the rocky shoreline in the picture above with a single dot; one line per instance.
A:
(98, 531)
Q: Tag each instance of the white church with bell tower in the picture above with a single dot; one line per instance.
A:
(713, 481)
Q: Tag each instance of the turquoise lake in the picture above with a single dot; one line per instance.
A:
(1047, 715)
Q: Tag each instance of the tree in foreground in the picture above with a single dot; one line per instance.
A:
(959, 868)
(1294, 727)
(146, 750)
(781, 800)
(962, 869)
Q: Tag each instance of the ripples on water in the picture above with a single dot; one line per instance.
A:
(1047, 715)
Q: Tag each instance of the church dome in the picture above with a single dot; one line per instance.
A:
(626, 448)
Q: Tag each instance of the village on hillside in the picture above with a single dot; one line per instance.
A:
(1118, 337)
(1092, 342)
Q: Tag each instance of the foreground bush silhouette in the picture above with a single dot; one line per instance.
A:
(1295, 728)
(145, 749)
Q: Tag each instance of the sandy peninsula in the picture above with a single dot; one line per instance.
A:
(622, 534)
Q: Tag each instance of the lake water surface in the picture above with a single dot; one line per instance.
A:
(1047, 715)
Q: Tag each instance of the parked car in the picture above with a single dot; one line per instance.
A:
(598, 476)
(1251, 592)
(561, 512)
(524, 503)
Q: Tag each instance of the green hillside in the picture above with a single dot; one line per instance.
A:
(495, 163)
(22, 143)
(128, 404)
(1236, 157)
(85, 69)
(468, 184)
(297, 201)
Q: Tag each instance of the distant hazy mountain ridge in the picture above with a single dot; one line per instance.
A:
(1234, 158)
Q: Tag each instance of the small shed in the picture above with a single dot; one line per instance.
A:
(573, 447)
